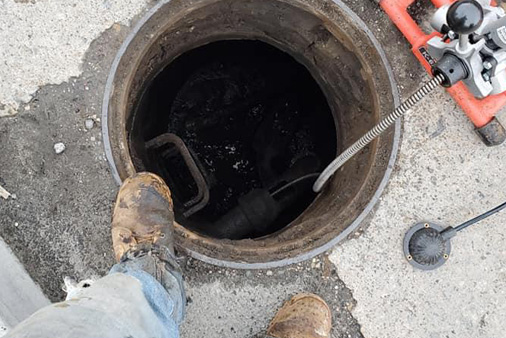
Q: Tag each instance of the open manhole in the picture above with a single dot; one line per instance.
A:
(239, 105)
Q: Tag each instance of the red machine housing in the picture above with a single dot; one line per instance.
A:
(481, 112)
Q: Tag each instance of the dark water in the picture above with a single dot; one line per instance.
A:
(251, 115)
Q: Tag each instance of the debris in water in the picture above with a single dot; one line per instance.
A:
(250, 121)
(231, 149)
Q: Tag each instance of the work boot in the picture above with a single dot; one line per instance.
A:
(143, 218)
(143, 239)
(304, 316)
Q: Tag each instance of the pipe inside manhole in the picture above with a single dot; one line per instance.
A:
(239, 105)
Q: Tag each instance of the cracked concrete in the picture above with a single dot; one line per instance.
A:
(445, 175)
(238, 303)
(43, 42)
(59, 223)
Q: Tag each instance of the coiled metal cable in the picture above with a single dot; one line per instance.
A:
(376, 131)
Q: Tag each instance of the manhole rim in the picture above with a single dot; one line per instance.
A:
(360, 24)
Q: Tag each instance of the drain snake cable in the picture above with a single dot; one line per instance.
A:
(337, 163)
(292, 183)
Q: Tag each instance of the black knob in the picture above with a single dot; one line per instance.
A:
(464, 16)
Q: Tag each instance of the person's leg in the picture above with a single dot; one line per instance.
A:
(162, 284)
(143, 294)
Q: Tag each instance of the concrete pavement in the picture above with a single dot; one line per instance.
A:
(56, 58)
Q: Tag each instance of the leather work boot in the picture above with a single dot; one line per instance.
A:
(304, 316)
(143, 236)
(143, 218)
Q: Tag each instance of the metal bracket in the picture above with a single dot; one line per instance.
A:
(200, 200)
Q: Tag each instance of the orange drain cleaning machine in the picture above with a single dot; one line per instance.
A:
(466, 53)
(485, 27)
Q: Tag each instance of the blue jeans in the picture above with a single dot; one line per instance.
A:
(141, 297)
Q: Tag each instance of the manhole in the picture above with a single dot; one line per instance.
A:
(239, 105)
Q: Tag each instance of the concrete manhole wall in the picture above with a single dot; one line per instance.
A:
(342, 57)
